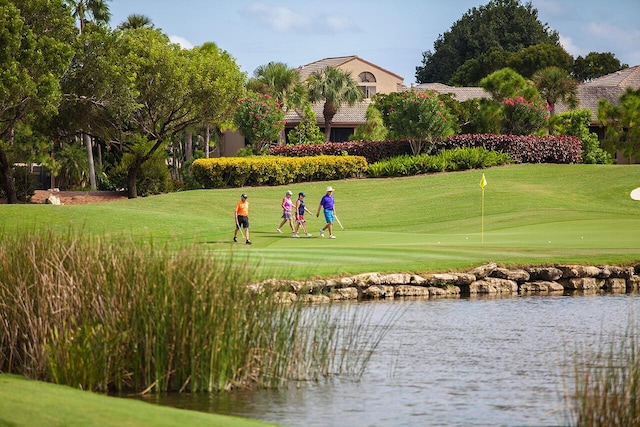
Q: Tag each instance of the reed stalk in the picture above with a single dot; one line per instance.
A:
(118, 315)
(607, 382)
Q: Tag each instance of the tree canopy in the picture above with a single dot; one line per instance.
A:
(501, 24)
(37, 38)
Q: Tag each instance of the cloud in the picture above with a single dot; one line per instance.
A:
(617, 35)
(184, 43)
(286, 20)
(568, 45)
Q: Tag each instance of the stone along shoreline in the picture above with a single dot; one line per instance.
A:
(489, 279)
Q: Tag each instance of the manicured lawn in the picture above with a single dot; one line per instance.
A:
(533, 214)
(33, 403)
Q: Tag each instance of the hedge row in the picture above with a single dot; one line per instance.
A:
(523, 149)
(373, 151)
(270, 170)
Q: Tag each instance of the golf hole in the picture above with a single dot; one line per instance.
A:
(635, 194)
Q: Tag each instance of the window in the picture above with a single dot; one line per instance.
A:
(367, 90)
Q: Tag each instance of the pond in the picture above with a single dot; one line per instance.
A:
(473, 362)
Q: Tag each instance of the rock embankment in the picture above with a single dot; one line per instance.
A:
(487, 279)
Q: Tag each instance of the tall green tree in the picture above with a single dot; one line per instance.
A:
(504, 24)
(622, 123)
(420, 118)
(333, 87)
(84, 10)
(138, 90)
(284, 84)
(517, 104)
(134, 21)
(554, 85)
(37, 37)
(596, 64)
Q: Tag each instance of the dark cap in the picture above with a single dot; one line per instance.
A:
(301, 194)
(244, 196)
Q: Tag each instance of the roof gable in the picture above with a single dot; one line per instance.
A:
(338, 61)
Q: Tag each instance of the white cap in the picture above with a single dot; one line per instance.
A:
(289, 192)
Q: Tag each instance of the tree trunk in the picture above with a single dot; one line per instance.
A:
(132, 190)
(7, 179)
(92, 168)
(188, 147)
(207, 139)
(328, 111)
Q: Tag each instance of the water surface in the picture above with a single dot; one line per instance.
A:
(472, 362)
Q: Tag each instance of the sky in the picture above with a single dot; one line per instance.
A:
(391, 34)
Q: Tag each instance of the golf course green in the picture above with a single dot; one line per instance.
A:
(533, 214)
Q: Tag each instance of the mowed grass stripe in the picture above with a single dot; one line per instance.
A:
(429, 222)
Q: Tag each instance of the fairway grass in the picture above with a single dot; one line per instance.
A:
(533, 214)
(28, 403)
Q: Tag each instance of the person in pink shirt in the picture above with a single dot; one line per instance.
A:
(287, 214)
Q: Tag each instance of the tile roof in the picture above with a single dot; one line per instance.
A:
(608, 87)
(346, 115)
(307, 69)
(459, 93)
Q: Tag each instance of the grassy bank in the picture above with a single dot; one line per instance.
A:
(533, 214)
(25, 403)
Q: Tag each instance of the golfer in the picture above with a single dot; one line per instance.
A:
(300, 221)
(328, 205)
(287, 215)
(241, 215)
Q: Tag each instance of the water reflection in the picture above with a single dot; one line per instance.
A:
(484, 361)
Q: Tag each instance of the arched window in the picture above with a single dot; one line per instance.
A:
(367, 89)
(366, 77)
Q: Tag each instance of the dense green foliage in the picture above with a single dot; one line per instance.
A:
(621, 121)
(307, 131)
(447, 160)
(37, 37)
(596, 64)
(576, 123)
(506, 24)
(421, 118)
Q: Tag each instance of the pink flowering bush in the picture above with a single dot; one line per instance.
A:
(260, 119)
(523, 117)
(420, 118)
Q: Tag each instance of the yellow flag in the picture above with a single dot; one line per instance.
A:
(483, 182)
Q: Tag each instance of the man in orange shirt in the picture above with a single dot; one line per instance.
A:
(241, 215)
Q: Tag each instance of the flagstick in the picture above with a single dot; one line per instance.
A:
(482, 216)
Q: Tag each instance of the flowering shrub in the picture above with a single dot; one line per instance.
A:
(371, 150)
(271, 170)
(420, 118)
(522, 117)
(260, 119)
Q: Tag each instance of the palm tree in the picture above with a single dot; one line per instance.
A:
(555, 84)
(334, 87)
(99, 10)
(135, 21)
(83, 9)
(284, 84)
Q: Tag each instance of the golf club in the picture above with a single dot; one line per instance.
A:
(241, 232)
(337, 219)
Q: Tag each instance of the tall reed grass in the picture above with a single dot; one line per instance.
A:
(607, 383)
(109, 315)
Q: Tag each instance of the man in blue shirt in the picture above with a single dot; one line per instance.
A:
(329, 212)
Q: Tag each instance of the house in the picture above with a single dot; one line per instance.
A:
(609, 87)
(371, 79)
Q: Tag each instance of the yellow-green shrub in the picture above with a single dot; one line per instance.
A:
(273, 170)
